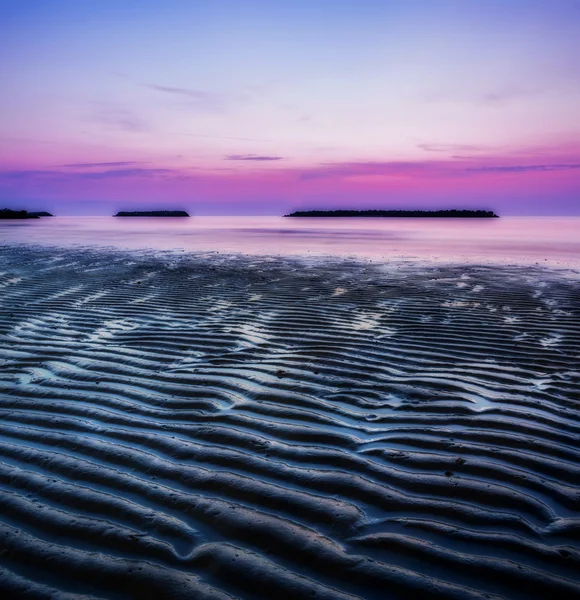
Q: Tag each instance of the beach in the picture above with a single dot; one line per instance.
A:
(205, 425)
(290, 300)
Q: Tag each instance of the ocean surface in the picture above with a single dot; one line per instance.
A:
(526, 240)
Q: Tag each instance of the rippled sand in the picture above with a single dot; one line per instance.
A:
(201, 427)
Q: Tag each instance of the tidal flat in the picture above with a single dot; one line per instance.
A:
(195, 425)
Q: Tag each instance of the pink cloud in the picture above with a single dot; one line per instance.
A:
(514, 183)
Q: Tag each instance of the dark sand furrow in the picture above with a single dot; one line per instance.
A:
(146, 465)
(89, 502)
(78, 531)
(495, 439)
(519, 480)
(48, 342)
(22, 587)
(536, 424)
(528, 427)
(495, 575)
(162, 383)
(554, 467)
(109, 469)
(526, 481)
(344, 347)
(255, 575)
(83, 371)
(52, 409)
(88, 572)
(367, 578)
(309, 434)
(389, 355)
(454, 353)
(460, 328)
(92, 534)
(87, 355)
(116, 409)
(23, 547)
(464, 377)
(450, 465)
(486, 386)
(388, 499)
(288, 540)
(188, 415)
(534, 553)
(433, 462)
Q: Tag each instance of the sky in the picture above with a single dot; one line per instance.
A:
(255, 107)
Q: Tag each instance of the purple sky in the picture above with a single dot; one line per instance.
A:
(262, 107)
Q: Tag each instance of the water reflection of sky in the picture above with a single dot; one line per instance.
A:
(515, 239)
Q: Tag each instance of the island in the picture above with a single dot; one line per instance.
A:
(41, 213)
(152, 213)
(444, 214)
(7, 213)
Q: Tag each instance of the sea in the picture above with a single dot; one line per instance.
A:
(553, 241)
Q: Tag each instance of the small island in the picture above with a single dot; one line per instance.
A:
(7, 213)
(41, 213)
(442, 214)
(152, 213)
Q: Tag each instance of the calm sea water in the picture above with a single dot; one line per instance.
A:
(555, 240)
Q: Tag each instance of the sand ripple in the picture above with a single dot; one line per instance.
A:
(178, 427)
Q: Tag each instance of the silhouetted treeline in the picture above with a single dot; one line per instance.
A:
(6, 213)
(395, 213)
(152, 213)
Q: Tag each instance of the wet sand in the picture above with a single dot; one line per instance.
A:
(197, 426)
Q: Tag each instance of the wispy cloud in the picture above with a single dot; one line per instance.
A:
(451, 147)
(118, 118)
(88, 175)
(420, 169)
(115, 173)
(196, 98)
(196, 94)
(17, 140)
(524, 168)
(255, 157)
(27, 174)
(104, 164)
(465, 157)
(501, 97)
(222, 137)
(374, 168)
